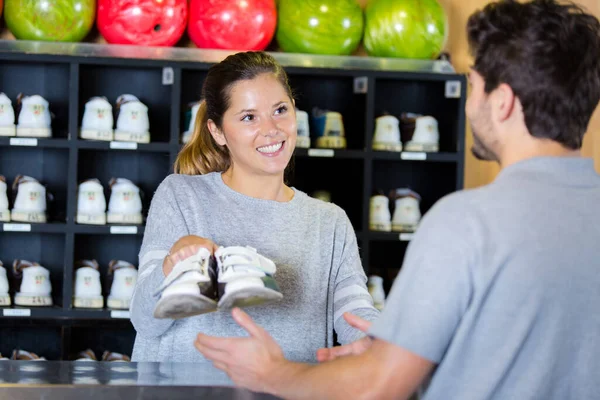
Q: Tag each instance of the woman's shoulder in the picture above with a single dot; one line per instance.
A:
(174, 181)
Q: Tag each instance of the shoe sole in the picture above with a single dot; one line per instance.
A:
(34, 132)
(179, 306)
(249, 297)
(94, 134)
(29, 300)
(5, 216)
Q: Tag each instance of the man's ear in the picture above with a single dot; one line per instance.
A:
(216, 133)
(504, 101)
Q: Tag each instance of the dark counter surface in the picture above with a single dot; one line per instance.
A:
(20, 380)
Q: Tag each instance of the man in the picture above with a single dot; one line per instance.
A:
(499, 293)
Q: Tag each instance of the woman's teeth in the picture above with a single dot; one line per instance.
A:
(271, 148)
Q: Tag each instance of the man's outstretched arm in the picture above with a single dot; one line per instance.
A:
(256, 362)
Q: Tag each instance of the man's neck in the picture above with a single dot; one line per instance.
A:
(260, 187)
(536, 148)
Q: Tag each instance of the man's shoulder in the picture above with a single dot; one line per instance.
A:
(461, 202)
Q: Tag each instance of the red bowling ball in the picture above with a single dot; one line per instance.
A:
(142, 22)
(232, 24)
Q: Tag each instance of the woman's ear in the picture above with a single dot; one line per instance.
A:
(216, 133)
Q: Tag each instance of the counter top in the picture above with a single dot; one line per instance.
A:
(66, 380)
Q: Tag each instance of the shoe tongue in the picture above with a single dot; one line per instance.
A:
(87, 263)
(118, 264)
(20, 265)
(24, 355)
(120, 182)
(89, 354)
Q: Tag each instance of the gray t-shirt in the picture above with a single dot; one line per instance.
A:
(501, 287)
(312, 243)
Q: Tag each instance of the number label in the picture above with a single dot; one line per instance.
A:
(321, 152)
(123, 230)
(17, 227)
(123, 145)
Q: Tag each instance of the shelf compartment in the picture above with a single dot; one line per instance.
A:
(396, 96)
(333, 93)
(431, 181)
(144, 83)
(145, 169)
(49, 80)
(47, 249)
(47, 165)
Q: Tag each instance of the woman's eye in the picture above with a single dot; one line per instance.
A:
(248, 117)
(281, 110)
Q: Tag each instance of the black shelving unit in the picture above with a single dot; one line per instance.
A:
(167, 80)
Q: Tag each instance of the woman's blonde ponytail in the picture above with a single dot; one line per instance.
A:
(201, 154)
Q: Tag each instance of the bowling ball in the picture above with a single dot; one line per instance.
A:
(50, 20)
(232, 24)
(319, 26)
(415, 29)
(142, 22)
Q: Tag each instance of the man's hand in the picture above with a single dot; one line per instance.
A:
(184, 248)
(354, 348)
(250, 362)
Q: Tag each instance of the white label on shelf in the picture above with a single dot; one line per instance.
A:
(17, 227)
(123, 145)
(412, 155)
(119, 314)
(20, 312)
(452, 89)
(23, 142)
(361, 84)
(321, 152)
(168, 77)
(123, 230)
(405, 237)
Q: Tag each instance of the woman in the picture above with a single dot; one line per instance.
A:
(229, 190)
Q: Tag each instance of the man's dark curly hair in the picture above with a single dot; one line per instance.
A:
(549, 54)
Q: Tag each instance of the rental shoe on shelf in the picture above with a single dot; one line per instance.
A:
(35, 288)
(4, 288)
(86, 355)
(88, 290)
(7, 117)
(387, 134)
(4, 211)
(125, 204)
(34, 117)
(380, 218)
(245, 278)
(97, 122)
(420, 132)
(30, 200)
(187, 135)
(115, 357)
(190, 288)
(133, 124)
(329, 129)
(23, 355)
(91, 203)
(122, 277)
(407, 213)
(303, 129)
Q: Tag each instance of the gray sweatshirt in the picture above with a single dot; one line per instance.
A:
(312, 243)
